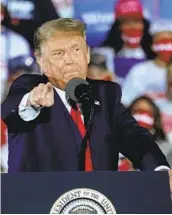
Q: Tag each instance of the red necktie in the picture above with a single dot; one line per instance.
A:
(76, 116)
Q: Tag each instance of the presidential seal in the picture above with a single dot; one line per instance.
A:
(83, 201)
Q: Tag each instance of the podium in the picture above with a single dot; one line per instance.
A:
(81, 192)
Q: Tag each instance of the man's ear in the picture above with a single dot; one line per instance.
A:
(40, 61)
(88, 54)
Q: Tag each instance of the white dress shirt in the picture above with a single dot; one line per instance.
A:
(30, 113)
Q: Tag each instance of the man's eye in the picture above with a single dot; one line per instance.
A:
(76, 49)
(57, 53)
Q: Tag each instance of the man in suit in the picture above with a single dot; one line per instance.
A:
(44, 134)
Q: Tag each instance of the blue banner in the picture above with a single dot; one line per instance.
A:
(98, 15)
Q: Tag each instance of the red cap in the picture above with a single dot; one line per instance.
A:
(128, 8)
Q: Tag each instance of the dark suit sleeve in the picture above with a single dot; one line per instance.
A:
(136, 143)
(9, 108)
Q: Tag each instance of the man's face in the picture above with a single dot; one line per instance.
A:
(64, 57)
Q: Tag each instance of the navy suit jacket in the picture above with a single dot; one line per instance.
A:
(52, 142)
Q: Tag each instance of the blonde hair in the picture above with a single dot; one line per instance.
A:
(49, 29)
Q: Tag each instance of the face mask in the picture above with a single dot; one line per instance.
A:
(132, 37)
(163, 49)
(144, 118)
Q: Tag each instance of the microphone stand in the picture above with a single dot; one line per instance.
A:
(80, 91)
(88, 122)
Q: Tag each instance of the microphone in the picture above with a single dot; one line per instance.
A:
(79, 90)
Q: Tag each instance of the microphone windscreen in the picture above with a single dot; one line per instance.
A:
(72, 85)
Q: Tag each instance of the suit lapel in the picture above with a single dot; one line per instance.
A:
(66, 125)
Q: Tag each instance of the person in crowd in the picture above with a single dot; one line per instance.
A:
(129, 37)
(150, 77)
(16, 67)
(26, 16)
(98, 70)
(109, 55)
(52, 121)
(165, 104)
(13, 45)
(15, 60)
(148, 115)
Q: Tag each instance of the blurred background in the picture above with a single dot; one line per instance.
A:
(131, 43)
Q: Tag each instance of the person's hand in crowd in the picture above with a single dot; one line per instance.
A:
(42, 95)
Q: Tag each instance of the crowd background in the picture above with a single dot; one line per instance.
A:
(131, 43)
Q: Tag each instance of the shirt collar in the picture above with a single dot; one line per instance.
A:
(65, 99)
(62, 95)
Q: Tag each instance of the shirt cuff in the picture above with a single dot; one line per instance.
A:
(162, 168)
(28, 113)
